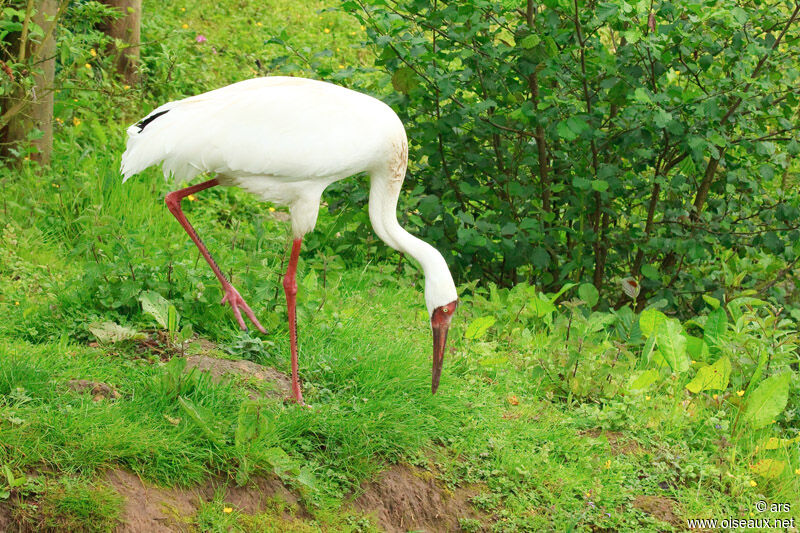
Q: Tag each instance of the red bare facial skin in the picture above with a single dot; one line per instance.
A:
(440, 323)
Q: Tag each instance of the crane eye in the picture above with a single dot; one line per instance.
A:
(445, 310)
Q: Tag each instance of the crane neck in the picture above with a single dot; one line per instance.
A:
(384, 193)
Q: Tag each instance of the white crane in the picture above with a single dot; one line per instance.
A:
(285, 140)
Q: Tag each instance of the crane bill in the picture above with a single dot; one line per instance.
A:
(439, 343)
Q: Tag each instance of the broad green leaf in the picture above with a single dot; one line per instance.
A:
(715, 328)
(767, 401)
(250, 423)
(110, 332)
(541, 306)
(643, 380)
(773, 443)
(711, 377)
(672, 344)
(404, 80)
(650, 272)
(588, 293)
(768, 468)
(530, 41)
(698, 350)
(201, 418)
(156, 306)
(479, 327)
(710, 300)
(649, 320)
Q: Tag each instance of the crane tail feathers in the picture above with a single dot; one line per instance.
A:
(153, 139)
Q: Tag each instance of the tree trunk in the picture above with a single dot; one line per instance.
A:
(126, 29)
(34, 110)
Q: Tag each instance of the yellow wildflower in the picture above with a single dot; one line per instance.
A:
(739, 393)
(716, 396)
(341, 66)
(126, 87)
(797, 471)
(93, 52)
(185, 26)
(59, 120)
(753, 483)
(87, 65)
(191, 198)
(271, 209)
(363, 28)
(647, 398)
(227, 510)
(327, 30)
(16, 303)
(608, 464)
(183, 9)
(259, 24)
(76, 121)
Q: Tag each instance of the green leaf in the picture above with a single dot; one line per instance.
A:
(202, 419)
(710, 300)
(672, 344)
(250, 423)
(530, 41)
(600, 185)
(541, 306)
(404, 80)
(156, 306)
(711, 377)
(643, 381)
(698, 350)
(768, 468)
(172, 319)
(565, 133)
(110, 332)
(589, 294)
(650, 272)
(479, 327)
(767, 401)
(715, 328)
(649, 320)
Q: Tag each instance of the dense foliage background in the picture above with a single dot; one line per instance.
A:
(595, 141)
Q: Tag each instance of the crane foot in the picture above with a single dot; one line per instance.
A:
(235, 300)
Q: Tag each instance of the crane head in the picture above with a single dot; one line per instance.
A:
(440, 323)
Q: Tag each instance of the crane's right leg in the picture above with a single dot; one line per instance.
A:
(232, 296)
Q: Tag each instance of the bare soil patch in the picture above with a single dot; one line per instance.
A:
(404, 498)
(156, 509)
(98, 389)
(658, 507)
(272, 382)
(619, 443)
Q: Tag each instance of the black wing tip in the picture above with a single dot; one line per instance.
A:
(147, 120)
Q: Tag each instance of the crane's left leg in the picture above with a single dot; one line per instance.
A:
(232, 296)
(290, 288)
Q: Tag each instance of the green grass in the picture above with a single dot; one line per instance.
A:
(543, 420)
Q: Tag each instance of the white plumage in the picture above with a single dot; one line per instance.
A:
(285, 140)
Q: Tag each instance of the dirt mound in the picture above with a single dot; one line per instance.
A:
(98, 389)
(404, 498)
(279, 384)
(5, 517)
(658, 507)
(618, 443)
(157, 510)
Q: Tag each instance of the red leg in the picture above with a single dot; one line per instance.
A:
(232, 296)
(290, 287)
